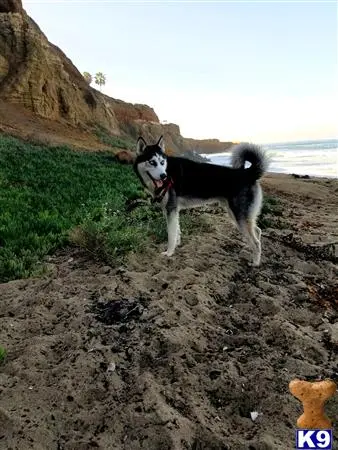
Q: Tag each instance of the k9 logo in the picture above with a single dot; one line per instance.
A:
(314, 439)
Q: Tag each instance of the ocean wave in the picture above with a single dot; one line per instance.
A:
(315, 162)
(306, 145)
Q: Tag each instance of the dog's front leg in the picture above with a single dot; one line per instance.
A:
(172, 228)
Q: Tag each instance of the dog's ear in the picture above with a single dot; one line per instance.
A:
(161, 144)
(140, 145)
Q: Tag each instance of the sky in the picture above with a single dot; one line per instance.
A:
(236, 71)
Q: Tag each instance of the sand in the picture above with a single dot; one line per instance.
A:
(176, 354)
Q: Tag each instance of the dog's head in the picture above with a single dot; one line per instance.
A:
(151, 163)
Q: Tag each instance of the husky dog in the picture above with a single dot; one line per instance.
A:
(179, 183)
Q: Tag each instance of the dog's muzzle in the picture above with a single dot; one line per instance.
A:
(158, 183)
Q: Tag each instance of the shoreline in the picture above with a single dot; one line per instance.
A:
(300, 177)
(291, 173)
(313, 158)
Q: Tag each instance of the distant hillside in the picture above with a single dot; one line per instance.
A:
(208, 145)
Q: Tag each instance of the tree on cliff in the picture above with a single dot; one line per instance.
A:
(100, 79)
(87, 76)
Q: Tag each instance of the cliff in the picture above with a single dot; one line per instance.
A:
(37, 75)
(208, 145)
(38, 79)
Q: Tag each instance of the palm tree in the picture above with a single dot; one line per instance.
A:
(87, 76)
(100, 79)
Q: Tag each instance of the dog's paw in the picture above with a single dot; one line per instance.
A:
(167, 253)
(254, 264)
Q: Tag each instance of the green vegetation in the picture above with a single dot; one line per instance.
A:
(87, 76)
(114, 141)
(50, 197)
(271, 214)
(3, 354)
(100, 79)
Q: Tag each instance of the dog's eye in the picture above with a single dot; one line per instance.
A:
(162, 163)
(153, 163)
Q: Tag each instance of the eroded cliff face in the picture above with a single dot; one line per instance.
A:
(175, 142)
(208, 146)
(7, 6)
(151, 131)
(37, 76)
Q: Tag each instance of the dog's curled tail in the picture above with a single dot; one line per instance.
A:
(253, 154)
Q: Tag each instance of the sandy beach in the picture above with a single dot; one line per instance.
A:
(177, 354)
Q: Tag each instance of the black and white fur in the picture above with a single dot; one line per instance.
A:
(197, 183)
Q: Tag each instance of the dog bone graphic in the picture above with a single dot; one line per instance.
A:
(313, 396)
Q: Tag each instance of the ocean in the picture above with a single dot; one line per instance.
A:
(313, 158)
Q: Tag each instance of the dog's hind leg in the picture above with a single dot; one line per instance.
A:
(258, 232)
(245, 208)
(173, 230)
(253, 234)
(178, 238)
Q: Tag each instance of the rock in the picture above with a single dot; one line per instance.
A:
(191, 298)
(309, 268)
(305, 177)
(125, 157)
(10, 6)
(254, 415)
(333, 330)
(268, 305)
(106, 269)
